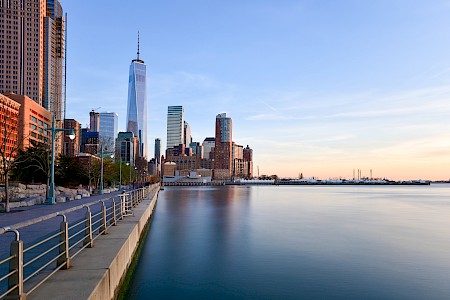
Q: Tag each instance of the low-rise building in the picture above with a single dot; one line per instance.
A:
(9, 124)
(34, 122)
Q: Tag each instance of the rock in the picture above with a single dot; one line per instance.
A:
(77, 197)
(40, 200)
(60, 199)
(22, 186)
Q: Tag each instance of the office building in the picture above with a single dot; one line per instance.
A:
(208, 147)
(248, 161)
(137, 102)
(126, 147)
(90, 141)
(34, 122)
(54, 60)
(108, 129)
(71, 147)
(94, 121)
(187, 139)
(9, 124)
(238, 161)
(223, 148)
(175, 126)
(197, 149)
(158, 151)
(32, 52)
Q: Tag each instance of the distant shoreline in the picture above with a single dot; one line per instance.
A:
(302, 183)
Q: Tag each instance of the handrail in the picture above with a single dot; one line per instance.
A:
(60, 247)
(52, 215)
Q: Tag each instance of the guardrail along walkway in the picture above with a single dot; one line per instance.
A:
(46, 239)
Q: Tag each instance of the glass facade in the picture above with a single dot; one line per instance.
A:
(175, 126)
(137, 104)
(108, 129)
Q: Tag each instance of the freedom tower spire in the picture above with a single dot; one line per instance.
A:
(137, 102)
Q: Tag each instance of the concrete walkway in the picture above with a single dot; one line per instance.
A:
(98, 272)
(24, 220)
(20, 217)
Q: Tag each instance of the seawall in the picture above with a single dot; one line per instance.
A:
(97, 272)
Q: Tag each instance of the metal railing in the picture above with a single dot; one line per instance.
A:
(28, 267)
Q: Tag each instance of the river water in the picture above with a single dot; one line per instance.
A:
(297, 242)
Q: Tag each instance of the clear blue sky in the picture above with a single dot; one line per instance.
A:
(317, 87)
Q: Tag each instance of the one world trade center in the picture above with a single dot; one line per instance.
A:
(137, 103)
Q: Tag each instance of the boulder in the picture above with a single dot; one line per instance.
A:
(60, 199)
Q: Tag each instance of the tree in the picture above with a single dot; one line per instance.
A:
(33, 164)
(70, 172)
(10, 143)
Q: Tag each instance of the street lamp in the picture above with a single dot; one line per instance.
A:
(101, 169)
(51, 192)
(128, 164)
(120, 167)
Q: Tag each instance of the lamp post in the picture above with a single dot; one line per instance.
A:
(51, 192)
(128, 164)
(120, 168)
(101, 167)
(101, 170)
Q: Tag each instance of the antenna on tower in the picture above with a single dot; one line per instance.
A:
(138, 50)
(138, 47)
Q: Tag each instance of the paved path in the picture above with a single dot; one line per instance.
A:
(23, 219)
(21, 215)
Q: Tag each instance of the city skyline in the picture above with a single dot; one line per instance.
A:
(315, 88)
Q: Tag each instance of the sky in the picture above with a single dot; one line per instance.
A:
(318, 88)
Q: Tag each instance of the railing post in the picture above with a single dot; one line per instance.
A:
(64, 247)
(122, 206)
(114, 219)
(104, 228)
(130, 202)
(88, 239)
(16, 264)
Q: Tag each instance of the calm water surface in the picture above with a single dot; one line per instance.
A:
(301, 242)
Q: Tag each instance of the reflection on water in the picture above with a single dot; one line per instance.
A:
(311, 242)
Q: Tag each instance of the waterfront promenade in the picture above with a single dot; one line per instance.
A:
(19, 218)
(92, 269)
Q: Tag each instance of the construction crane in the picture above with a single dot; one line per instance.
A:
(94, 109)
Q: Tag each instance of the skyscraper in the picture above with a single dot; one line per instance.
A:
(175, 126)
(223, 147)
(158, 151)
(137, 102)
(54, 53)
(32, 48)
(108, 129)
(94, 121)
(187, 134)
